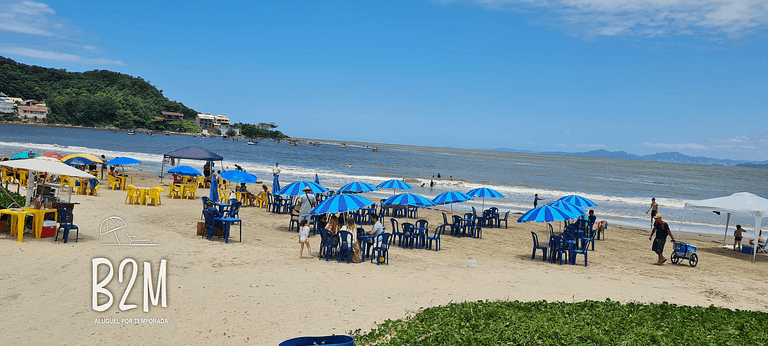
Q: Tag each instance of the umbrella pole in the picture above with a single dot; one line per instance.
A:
(162, 168)
(727, 221)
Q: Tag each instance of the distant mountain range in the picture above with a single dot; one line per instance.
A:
(658, 157)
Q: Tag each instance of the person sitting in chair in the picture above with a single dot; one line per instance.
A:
(251, 197)
(760, 240)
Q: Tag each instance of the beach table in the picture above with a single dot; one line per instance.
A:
(123, 180)
(18, 216)
(364, 239)
(143, 194)
(222, 206)
(422, 234)
(228, 221)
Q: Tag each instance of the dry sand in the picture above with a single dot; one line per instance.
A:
(259, 292)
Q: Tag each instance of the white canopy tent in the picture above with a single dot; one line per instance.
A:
(52, 167)
(742, 203)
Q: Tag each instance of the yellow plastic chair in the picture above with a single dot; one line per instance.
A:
(114, 183)
(7, 176)
(223, 195)
(133, 195)
(153, 195)
(23, 178)
(173, 191)
(191, 191)
(262, 200)
(95, 190)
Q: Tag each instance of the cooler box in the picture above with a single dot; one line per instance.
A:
(49, 229)
(747, 249)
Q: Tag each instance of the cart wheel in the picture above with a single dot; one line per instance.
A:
(675, 259)
(694, 260)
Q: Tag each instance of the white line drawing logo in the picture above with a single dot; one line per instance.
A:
(119, 223)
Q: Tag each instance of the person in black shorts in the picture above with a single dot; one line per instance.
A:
(654, 209)
(661, 229)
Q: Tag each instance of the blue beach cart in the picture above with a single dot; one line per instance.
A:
(685, 251)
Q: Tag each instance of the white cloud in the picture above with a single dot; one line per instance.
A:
(567, 132)
(676, 146)
(47, 55)
(31, 18)
(591, 146)
(648, 18)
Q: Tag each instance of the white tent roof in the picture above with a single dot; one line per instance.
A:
(742, 202)
(52, 167)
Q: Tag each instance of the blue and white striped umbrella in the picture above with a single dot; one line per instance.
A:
(545, 213)
(485, 192)
(451, 197)
(408, 199)
(341, 203)
(395, 184)
(122, 161)
(578, 201)
(297, 188)
(357, 186)
(573, 210)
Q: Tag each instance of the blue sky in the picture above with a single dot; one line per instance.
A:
(642, 76)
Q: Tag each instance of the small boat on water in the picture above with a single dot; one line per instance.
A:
(150, 134)
(375, 149)
(131, 132)
(253, 142)
(343, 145)
(167, 133)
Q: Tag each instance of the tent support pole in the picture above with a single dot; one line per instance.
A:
(727, 221)
(685, 208)
(162, 169)
(758, 220)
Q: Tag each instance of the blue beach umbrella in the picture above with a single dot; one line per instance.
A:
(357, 186)
(184, 170)
(239, 176)
(341, 203)
(214, 193)
(24, 155)
(275, 185)
(578, 201)
(395, 184)
(317, 179)
(122, 161)
(485, 192)
(296, 188)
(408, 199)
(451, 197)
(78, 161)
(571, 209)
(545, 213)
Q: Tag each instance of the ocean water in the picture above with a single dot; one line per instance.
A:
(622, 189)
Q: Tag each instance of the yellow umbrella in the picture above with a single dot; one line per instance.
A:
(87, 156)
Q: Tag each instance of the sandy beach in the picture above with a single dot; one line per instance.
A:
(258, 292)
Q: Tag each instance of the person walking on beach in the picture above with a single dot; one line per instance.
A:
(304, 238)
(737, 234)
(536, 200)
(661, 229)
(103, 166)
(307, 202)
(654, 209)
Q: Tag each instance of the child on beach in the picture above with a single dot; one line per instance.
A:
(303, 238)
(737, 234)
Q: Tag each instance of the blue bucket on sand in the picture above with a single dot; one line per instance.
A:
(333, 340)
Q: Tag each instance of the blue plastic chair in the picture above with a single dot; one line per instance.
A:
(210, 224)
(425, 225)
(345, 245)
(396, 233)
(537, 246)
(65, 223)
(583, 251)
(327, 244)
(588, 239)
(446, 224)
(436, 238)
(408, 236)
(506, 215)
(458, 226)
(205, 201)
(381, 248)
(558, 249)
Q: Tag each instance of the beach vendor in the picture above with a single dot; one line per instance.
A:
(308, 202)
(661, 229)
(276, 169)
(654, 209)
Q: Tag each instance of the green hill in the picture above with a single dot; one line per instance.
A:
(93, 98)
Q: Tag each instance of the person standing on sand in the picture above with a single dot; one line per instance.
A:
(737, 234)
(307, 202)
(304, 238)
(654, 209)
(661, 229)
(276, 169)
(536, 200)
(103, 166)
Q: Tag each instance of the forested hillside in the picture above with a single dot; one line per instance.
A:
(93, 98)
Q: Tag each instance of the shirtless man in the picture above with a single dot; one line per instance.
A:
(654, 209)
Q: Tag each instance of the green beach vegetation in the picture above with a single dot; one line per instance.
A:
(103, 98)
(559, 323)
